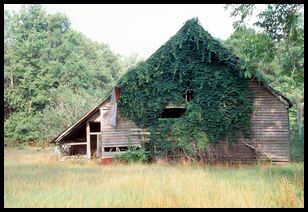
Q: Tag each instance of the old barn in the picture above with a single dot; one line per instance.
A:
(104, 132)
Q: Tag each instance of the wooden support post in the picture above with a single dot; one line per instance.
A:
(100, 146)
(88, 141)
(101, 118)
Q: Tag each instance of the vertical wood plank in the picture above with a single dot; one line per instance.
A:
(98, 145)
(289, 137)
(101, 118)
(88, 141)
(101, 135)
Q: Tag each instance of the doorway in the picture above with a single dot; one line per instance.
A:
(93, 144)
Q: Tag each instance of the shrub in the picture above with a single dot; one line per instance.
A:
(21, 127)
(133, 155)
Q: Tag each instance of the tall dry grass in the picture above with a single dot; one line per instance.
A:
(36, 179)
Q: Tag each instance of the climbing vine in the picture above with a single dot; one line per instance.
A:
(193, 61)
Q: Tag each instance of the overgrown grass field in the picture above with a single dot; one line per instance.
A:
(34, 178)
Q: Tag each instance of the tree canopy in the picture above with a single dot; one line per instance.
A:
(48, 67)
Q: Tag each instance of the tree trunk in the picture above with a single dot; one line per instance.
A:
(11, 78)
(11, 83)
(30, 105)
(299, 112)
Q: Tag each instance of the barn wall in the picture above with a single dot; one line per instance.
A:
(236, 152)
(270, 127)
(270, 124)
(125, 134)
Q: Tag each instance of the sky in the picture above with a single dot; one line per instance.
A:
(139, 28)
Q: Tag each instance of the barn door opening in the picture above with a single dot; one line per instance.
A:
(93, 144)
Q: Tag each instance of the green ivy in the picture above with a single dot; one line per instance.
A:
(190, 60)
(133, 155)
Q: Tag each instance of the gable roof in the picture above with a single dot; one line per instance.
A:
(193, 31)
(80, 121)
(213, 46)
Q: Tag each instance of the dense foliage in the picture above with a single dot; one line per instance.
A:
(275, 52)
(190, 61)
(133, 155)
(52, 74)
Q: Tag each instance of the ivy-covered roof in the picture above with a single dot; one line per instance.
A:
(212, 45)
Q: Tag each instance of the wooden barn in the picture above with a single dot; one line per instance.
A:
(104, 133)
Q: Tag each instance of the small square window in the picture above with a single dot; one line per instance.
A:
(95, 126)
(188, 95)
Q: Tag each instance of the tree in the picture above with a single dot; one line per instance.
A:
(42, 54)
(280, 20)
(277, 20)
(256, 51)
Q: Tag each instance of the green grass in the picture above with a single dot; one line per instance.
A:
(35, 178)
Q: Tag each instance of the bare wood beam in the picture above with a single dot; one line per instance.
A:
(77, 143)
(95, 133)
(171, 105)
(101, 118)
(98, 145)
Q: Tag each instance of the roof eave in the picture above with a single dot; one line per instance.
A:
(283, 99)
(79, 122)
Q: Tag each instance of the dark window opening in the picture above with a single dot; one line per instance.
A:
(115, 149)
(173, 112)
(95, 126)
(110, 149)
(188, 95)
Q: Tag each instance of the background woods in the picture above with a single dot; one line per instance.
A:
(52, 74)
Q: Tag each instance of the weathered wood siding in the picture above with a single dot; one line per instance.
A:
(270, 127)
(124, 135)
(270, 124)
(236, 152)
